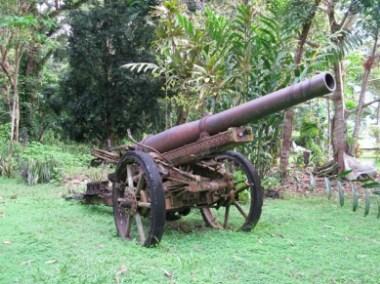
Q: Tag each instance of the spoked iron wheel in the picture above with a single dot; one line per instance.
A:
(240, 208)
(138, 199)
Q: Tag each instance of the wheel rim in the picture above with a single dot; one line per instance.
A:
(137, 215)
(241, 209)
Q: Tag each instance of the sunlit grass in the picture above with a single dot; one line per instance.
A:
(45, 239)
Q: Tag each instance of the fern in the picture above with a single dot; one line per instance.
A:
(340, 193)
(144, 67)
(327, 185)
(367, 202)
(355, 198)
(38, 171)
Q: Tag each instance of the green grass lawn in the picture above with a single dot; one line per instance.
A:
(45, 239)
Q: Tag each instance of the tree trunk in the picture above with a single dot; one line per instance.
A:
(182, 113)
(16, 93)
(339, 123)
(367, 71)
(6, 91)
(289, 114)
(286, 143)
(13, 119)
(338, 133)
(329, 127)
(17, 121)
(15, 113)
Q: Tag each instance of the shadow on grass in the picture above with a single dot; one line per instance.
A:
(98, 209)
(191, 224)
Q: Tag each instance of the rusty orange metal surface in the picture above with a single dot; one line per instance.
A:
(181, 135)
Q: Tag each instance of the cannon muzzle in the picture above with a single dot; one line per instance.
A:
(253, 110)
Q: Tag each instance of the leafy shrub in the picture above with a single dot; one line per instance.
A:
(98, 174)
(51, 137)
(299, 160)
(7, 166)
(270, 182)
(38, 171)
(4, 133)
(317, 157)
(37, 162)
(311, 138)
(66, 156)
(350, 105)
(40, 163)
(7, 162)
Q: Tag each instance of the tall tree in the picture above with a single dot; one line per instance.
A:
(102, 99)
(15, 32)
(371, 25)
(214, 60)
(48, 35)
(339, 30)
(308, 13)
(24, 28)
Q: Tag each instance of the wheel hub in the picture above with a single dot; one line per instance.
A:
(129, 201)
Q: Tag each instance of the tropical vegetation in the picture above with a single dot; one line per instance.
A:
(79, 74)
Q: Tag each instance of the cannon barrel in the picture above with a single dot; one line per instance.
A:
(183, 134)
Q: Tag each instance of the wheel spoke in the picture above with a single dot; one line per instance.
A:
(144, 204)
(230, 167)
(226, 215)
(138, 199)
(129, 175)
(140, 228)
(143, 196)
(140, 183)
(242, 191)
(240, 209)
(241, 188)
(128, 232)
(215, 220)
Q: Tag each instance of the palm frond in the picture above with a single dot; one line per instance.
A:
(143, 67)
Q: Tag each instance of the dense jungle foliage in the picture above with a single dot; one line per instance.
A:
(79, 76)
(88, 71)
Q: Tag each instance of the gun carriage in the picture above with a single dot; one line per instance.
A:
(189, 166)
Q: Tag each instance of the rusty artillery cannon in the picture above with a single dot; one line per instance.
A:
(185, 167)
